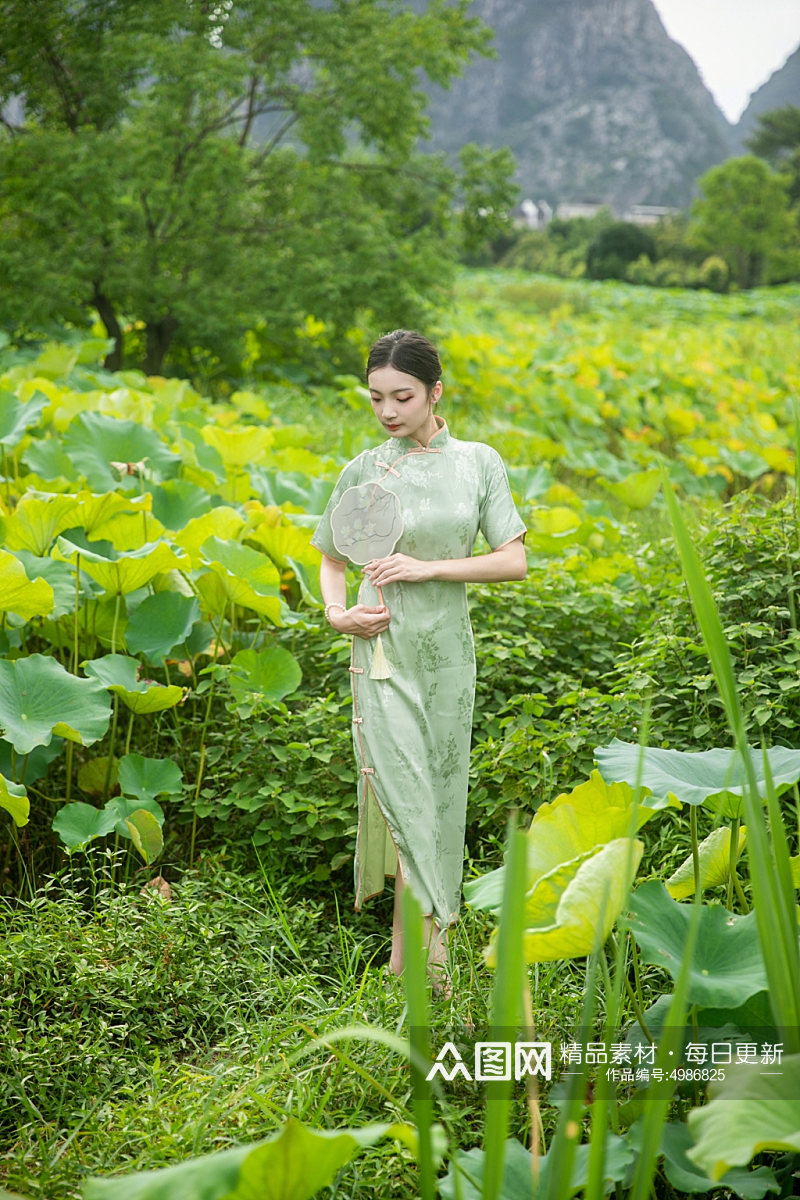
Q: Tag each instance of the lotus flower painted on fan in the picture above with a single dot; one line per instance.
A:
(366, 523)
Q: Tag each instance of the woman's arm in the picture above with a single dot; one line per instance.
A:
(505, 563)
(360, 620)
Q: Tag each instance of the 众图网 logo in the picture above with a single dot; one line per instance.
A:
(495, 1061)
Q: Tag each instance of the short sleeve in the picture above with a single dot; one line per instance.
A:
(498, 517)
(322, 537)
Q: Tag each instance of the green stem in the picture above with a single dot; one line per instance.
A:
(117, 599)
(111, 744)
(740, 896)
(198, 785)
(130, 731)
(695, 848)
(732, 857)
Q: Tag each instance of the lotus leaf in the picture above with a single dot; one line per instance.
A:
(177, 501)
(263, 677)
(637, 490)
(755, 1108)
(517, 1181)
(122, 573)
(695, 777)
(19, 594)
(294, 1164)
(38, 699)
(94, 440)
(145, 833)
(97, 777)
(45, 457)
(571, 911)
(161, 622)
(17, 418)
(36, 764)
(78, 823)
(37, 522)
(715, 862)
(122, 808)
(223, 522)
(309, 492)
(95, 511)
(240, 576)
(727, 966)
(687, 1179)
(147, 778)
(14, 799)
(59, 575)
(239, 448)
(576, 823)
(120, 674)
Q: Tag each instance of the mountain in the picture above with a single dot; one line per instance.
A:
(782, 87)
(594, 98)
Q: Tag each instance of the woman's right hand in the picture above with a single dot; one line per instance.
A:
(362, 620)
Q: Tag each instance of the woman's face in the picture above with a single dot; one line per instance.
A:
(403, 404)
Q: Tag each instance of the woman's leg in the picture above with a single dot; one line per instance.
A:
(435, 939)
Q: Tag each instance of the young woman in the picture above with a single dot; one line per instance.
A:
(412, 728)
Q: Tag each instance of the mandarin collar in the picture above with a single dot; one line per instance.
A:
(437, 440)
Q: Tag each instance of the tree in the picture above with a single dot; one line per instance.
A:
(777, 139)
(190, 168)
(743, 215)
(612, 250)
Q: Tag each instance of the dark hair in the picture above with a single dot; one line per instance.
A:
(408, 352)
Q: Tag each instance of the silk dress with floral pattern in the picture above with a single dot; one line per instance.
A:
(412, 730)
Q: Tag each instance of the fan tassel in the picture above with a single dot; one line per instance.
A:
(380, 668)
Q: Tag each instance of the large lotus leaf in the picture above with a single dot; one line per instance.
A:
(122, 573)
(78, 823)
(161, 622)
(727, 966)
(38, 699)
(240, 576)
(19, 594)
(14, 799)
(59, 575)
(221, 522)
(295, 1164)
(637, 490)
(120, 674)
(697, 776)
(554, 528)
(575, 824)
(35, 765)
(259, 677)
(289, 546)
(755, 1108)
(45, 457)
(309, 492)
(239, 448)
(95, 510)
(517, 1180)
(122, 808)
(94, 440)
(176, 502)
(97, 777)
(130, 531)
(147, 778)
(571, 911)
(145, 833)
(715, 861)
(37, 522)
(688, 1179)
(17, 418)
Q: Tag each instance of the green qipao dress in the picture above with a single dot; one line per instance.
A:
(412, 730)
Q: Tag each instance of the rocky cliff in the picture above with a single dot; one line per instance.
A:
(782, 87)
(594, 98)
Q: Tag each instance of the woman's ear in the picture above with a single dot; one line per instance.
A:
(436, 392)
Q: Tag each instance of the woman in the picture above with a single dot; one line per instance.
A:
(412, 729)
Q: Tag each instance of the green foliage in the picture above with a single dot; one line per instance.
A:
(240, 171)
(743, 216)
(777, 139)
(613, 248)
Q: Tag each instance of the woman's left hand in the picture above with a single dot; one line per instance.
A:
(398, 568)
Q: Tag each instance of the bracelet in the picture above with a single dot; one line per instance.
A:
(328, 607)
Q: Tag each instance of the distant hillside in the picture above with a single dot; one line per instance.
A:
(594, 98)
(782, 87)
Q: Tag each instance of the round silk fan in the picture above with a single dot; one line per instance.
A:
(366, 524)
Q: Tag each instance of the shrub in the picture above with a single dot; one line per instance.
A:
(615, 247)
(714, 274)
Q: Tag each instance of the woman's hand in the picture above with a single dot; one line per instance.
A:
(398, 568)
(361, 620)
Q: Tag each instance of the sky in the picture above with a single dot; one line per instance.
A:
(736, 44)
